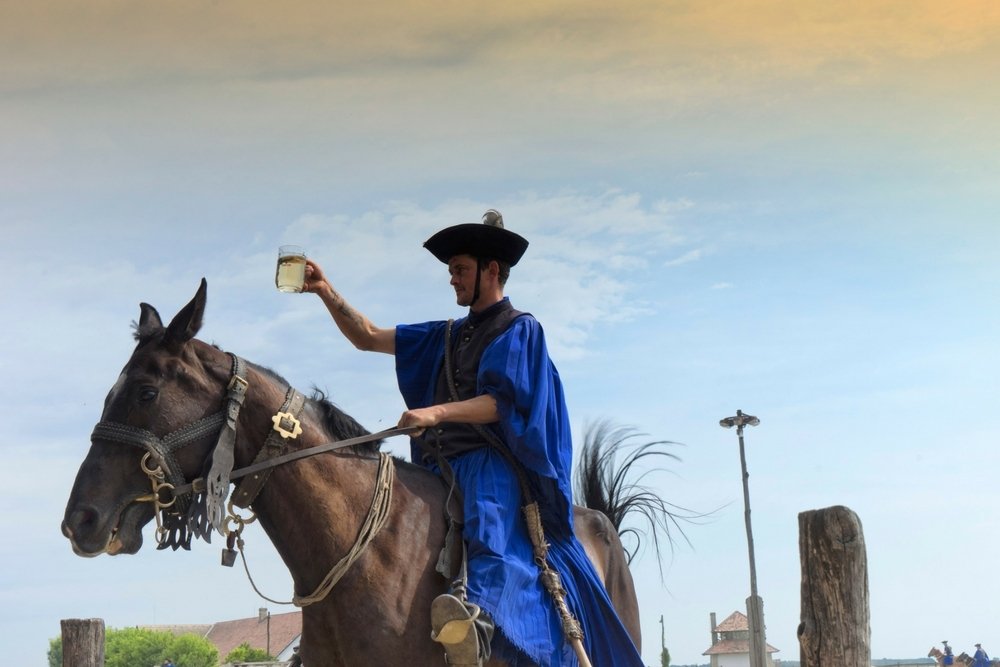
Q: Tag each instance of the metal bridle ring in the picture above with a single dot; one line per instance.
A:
(156, 472)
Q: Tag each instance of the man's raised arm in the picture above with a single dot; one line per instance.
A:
(356, 327)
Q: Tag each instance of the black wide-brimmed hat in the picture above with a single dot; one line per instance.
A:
(487, 239)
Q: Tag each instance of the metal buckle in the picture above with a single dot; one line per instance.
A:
(282, 422)
(237, 380)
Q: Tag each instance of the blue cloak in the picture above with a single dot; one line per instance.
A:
(515, 369)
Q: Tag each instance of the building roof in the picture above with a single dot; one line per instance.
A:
(227, 635)
(284, 629)
(177, 630)
(735, 622)
(730, 646)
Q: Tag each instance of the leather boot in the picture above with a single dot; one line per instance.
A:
(463, 629)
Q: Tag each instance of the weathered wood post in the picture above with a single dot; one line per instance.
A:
(83, 642)
(835, 630)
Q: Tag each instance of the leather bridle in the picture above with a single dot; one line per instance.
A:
(178, 517)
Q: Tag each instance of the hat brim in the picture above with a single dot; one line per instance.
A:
(478, 240)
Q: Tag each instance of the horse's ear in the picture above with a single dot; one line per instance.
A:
(187, 322)
(149, 322)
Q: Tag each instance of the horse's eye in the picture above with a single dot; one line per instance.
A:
(147, 394)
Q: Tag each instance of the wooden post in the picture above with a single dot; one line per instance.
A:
(835, 630)
(755, 619)
(83, 642)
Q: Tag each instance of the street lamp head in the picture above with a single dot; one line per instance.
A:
(739, 420)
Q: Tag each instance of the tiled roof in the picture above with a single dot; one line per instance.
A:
(729, 646)
(178, 630)
(285, 629)
(735, 622)
(227, 635)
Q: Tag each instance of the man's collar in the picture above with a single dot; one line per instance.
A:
(482, 316)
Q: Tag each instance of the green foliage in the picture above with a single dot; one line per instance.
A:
(132, 647)
(55, 652)
(665, 658)
(139, 647)
(246, 653)
(193, 651)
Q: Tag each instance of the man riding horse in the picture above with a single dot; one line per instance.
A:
(494, 419)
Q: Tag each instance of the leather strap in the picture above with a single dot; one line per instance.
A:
(286, 427)
(223, 456)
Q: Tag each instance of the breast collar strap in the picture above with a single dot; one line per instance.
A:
(286, 427)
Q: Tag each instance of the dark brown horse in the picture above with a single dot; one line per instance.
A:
(311, 509)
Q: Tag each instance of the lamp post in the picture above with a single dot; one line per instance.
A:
(755, 607)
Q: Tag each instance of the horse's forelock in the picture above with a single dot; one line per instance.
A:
(143, 335)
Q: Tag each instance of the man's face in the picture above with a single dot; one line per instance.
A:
(463, 269)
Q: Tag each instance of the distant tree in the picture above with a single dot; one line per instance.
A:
(135, 647)
(55, 652)
(138, 647)
(193, 651)
(665, 657)
(246, 653)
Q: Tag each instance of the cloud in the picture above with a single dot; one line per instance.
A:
(672, 50)
(686, 258)
(585, 252)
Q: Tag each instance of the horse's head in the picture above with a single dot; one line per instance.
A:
(142, 447)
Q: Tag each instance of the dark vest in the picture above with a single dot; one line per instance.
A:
(468, 343)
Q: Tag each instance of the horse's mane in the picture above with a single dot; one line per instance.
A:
(341, 424)
(337, 422)
(605, 486)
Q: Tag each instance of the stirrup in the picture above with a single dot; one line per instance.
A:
(453, 626)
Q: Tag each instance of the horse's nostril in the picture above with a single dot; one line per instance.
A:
(81, 519)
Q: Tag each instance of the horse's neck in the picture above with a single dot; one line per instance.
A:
(312, 511)
(311, 508)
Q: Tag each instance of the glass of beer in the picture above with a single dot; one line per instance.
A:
(291, 271)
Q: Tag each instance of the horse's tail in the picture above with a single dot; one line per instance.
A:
(604, 484)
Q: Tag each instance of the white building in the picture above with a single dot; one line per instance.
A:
(731, 643)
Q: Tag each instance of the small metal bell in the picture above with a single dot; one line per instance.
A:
(229, 553)
(229, 557)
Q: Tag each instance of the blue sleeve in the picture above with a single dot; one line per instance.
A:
(419, 354)
(517, 371)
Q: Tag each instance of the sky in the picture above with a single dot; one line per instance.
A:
(787, 208)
